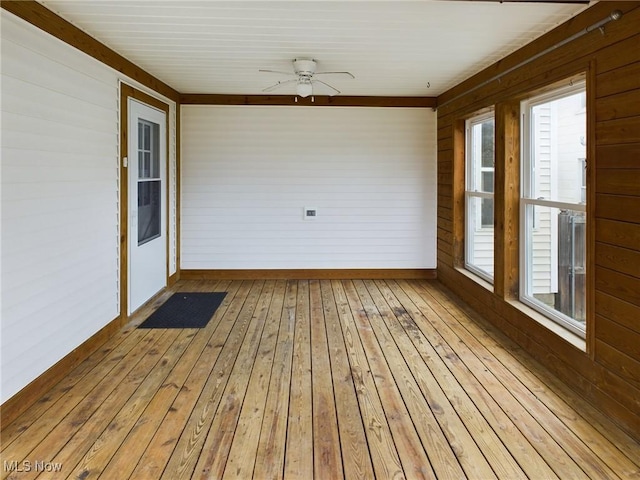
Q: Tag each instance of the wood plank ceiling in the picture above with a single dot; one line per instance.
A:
(400, 48)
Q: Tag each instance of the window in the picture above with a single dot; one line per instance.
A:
(553, 206)
(149, 182)
(479, 159)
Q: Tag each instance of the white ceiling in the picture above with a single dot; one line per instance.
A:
(394, 48)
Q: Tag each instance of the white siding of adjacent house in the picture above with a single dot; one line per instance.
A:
(543, 261)
(559, 168)
(60, 201)
(248, 172)
(483, 255)
(482, 238)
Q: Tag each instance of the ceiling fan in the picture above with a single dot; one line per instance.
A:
(304, 69)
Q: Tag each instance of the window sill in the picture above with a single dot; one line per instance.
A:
(476, 278)
(568, 336)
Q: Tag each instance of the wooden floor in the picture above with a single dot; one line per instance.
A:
(316, 379)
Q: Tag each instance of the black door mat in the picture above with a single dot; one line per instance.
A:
(185, 310)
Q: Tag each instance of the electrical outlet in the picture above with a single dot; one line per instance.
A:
(310, 213)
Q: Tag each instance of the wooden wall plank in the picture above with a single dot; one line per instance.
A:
(625, 287)
(618, 207)
(617, 131)
(618, 156)
(625, 366)
(619, 54)
(618, 233)
(618, 310)
(622, 79)
(626, 340)
(617, 106)
(619, 181)
(620, 259)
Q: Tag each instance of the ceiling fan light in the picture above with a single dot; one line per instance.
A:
(304, 89)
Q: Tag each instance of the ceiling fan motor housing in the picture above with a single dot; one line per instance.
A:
(304, 66)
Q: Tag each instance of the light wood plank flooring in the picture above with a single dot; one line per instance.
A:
(316, 380)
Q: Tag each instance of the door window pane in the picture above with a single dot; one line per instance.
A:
(148, 210)
(149, 183)
(148, 150)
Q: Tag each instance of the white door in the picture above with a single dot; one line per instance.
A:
(147, 199)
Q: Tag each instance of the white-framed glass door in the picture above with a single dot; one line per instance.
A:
(147, 246)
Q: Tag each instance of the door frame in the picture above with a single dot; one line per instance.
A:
(127, 92)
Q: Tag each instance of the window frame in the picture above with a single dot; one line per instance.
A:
(473, 177)
(528, 202)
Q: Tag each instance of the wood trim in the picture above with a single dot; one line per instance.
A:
(592, 166)
(126, 92)
(167, 173)
(178, 186)
(507, 199)
(46, 20)
(315, 274)
(318, 101)
(173, 279)
(145, 98)
(458, 188)
(26, 397)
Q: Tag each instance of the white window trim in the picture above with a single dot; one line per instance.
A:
(526, 199)
(469, 194)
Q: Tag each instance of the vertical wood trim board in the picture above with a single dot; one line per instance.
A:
(249, 172)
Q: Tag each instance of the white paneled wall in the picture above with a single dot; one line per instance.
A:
(248, 173)
(60, 201)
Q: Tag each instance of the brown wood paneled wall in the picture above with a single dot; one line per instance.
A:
(608, 372)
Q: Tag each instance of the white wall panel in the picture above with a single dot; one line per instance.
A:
(59, 201)
(248, 172)
(60, 225)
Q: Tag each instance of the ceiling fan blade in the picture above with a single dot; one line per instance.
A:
(336, 91)
(278, 85)
(336, 73)
(279, 72)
